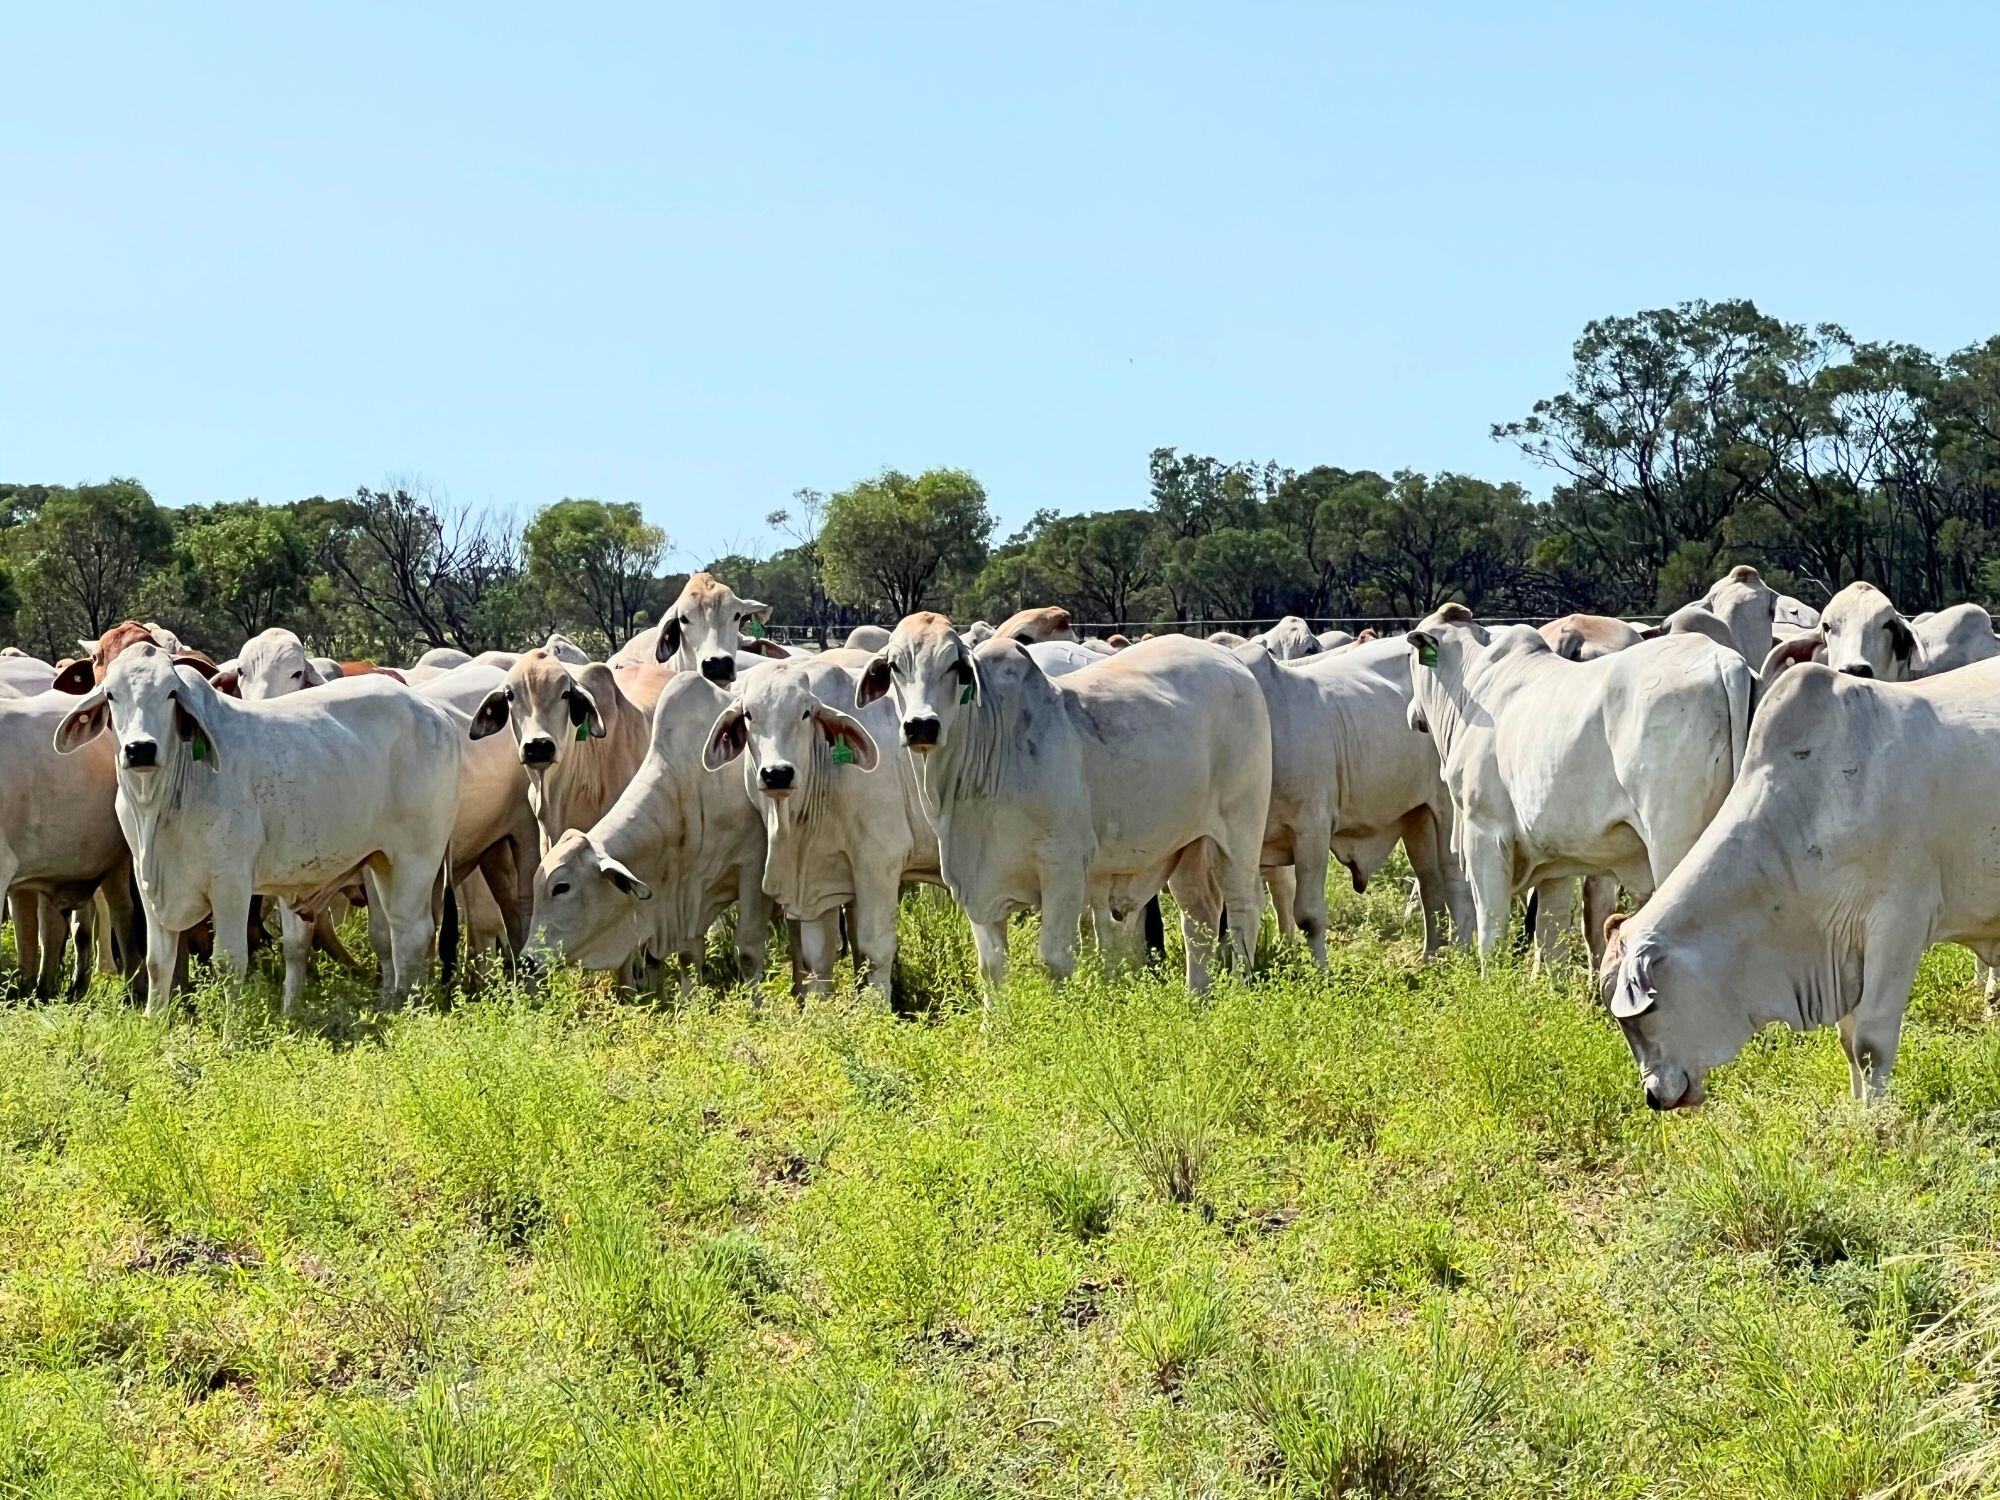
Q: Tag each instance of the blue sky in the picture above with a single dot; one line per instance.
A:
(699, 257)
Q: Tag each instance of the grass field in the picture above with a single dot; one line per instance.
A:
(1392, 1230)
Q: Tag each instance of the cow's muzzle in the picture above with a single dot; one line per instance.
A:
(777, 778)
(1858, 669)
(142, 755)
(719, 668)
(920, 731)
(539, 751)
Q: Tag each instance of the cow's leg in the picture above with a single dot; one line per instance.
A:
(86, 961)
(990, 939)
(1600, 900)
(123, 935)
(54, 922)
(1309, 894)
(295, 936)
(1444, 910)
(26, 912)
(229, 901)
(502, 868)
(1063, 901)
(163, 960)
(1283, 883)
(1194, 887)
(406, 890)
(873, 930)
(326, 933)
(819, 950)
(1555, 910)
(1489, 864)
(1871, 1033)
(753, 925)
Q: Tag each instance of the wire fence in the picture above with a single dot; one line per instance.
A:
(1133, 629)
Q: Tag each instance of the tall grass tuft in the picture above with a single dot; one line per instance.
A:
(634, 1300)
(1169, 1123)
(1178, 1327)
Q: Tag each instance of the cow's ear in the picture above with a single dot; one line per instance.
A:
(669, 645)
(1652, 632)
(841, 730)
(752, 609)
(195, 662)
(968, 677)
(1902, 639)
(83, 723)
(583, 712)
(1366, 635)
(310, 677)
(1629, 981)
(1425, 645)
(625, 880)
(492, 715)
(77, 677)
(727, 740)
(86, 648)
(763, 646)
(1788, 654)
(1611, 925)
(193, 732)
(874, 681)
(228, 681)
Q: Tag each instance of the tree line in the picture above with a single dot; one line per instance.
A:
(1684, 440)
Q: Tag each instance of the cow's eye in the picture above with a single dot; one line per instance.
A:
(560, 888)
(807, 714)
(298, 676)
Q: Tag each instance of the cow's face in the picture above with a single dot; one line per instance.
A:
(786, 734)
(927, 673)
(588, 906)
(1747, 607)
(545, 708)
(153, 710)
(1679, 1018)
(703, 629)
(272, 665)
(1864, 635)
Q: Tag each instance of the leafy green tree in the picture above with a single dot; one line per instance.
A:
(250, 565)
(594, 563)
(81, 558)
(898, 544)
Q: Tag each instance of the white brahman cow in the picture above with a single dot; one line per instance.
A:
(842, 829)
(222, 800)
(674, 852)
(1150, 768)
(1559, 768)
(1862, 829)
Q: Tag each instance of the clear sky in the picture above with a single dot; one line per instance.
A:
(698, 257)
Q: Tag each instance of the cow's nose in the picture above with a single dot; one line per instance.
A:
(920, 731)
(1655, 1100)
(719, 668)
(776, 777)
(142, 753)
(539, 751)
(1858, 669)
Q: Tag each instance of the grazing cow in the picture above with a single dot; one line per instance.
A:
(1049, 622)
(703, 631)
(867, 638)
(1588, 637)
(1559, 768)
(60, 842)
(1862, 634)
(221, 801)
(1151, 768)
(839, 832)
(1288, 640)
(1350, 778)
(578, 737)
(1861, 830)
(676, 849)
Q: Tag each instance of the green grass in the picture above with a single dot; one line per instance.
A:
(1390, 1230)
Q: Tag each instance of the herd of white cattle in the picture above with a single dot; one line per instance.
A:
(1794, 836)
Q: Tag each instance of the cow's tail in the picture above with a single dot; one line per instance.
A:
(448, 936)
(1740, 691)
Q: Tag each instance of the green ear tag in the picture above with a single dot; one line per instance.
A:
(1427, 654)
(843, 753)
(583, 731)
(754, 628)
(965, 695)
(198, 746)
